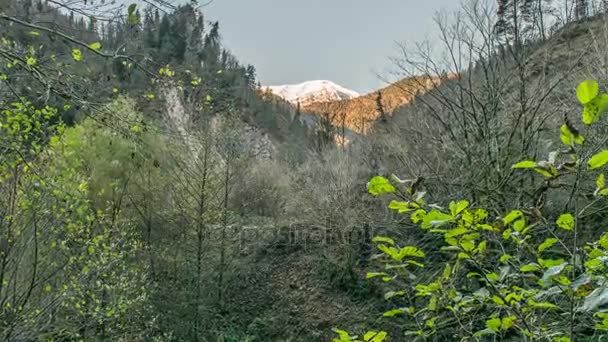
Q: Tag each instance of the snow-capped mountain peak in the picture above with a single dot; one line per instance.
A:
(313, 91)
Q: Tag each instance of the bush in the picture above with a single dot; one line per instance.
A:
(522, 275)
(263, 191)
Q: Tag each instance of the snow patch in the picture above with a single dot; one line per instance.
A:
(313, 91)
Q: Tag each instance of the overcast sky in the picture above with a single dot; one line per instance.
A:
(345, 41)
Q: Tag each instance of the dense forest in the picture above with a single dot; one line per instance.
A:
(151, 190)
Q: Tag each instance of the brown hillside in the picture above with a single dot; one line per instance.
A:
(358, 114)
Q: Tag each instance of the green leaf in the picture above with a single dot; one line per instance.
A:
(565, 221)
(474, 274)
(392, 294)
(400, 206)
(410, 251)
(519, 225)
(374, 336)
(35, 33)
(463, 256)
(512, 216)
(529, 268)
(132, 8)
(494, 324)
(380, 185)
(561, 339)
(587, 91)
(344, 336)
(380, 337)
(457, 207)
(547, 244)
(505, 258)
(541, 305)
(493, 277)
(456, 232)
(507, 322)
(48, 288)
(598, 160)
(418, 215)
(368, 335)
(548, 263)
(95, 46)
(370, 275)
(390, 251)
(395, 312)
(77, 55)
(481, 247)
(570, 137)
(498, 300)
(136, 128)
(593, 109)
(30, 61)
(447, 271)
(548, 171)
(600, 181)
(524, 164)
(415, 263)
(133, 19)
(435, 218)
(483, 332)
(384, 239)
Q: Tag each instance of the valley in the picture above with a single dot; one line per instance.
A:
(152, 188)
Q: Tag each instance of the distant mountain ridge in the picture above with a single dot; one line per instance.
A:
(359, 113)
(309, 92)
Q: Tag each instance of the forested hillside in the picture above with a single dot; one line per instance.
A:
(150, 190)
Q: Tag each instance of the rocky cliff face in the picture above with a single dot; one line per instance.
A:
(258, 143)
(254, 141)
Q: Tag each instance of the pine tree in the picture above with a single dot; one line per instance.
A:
(508, 24)
(178, 39)
(164, 40)
(150, 28)
(196, 38)
(250, 75)
(296, 117)
(380, 107)
(156, 17)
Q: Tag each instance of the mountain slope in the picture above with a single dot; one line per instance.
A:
(312, 91)
(358, 113)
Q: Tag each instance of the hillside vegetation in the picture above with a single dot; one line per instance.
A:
(360, 113)
(150, 190)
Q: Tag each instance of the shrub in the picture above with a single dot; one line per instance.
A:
(522, 275)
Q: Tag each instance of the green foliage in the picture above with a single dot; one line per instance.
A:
(598, 160)
(565, 221)
(569, 136)
(587, 91)
(380, 185)
(594, 103)
(370, 336)
(503, 277)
